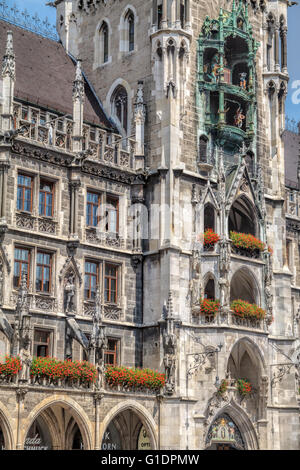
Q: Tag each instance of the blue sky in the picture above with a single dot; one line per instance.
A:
(292, 105)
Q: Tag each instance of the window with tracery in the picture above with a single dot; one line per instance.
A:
(120, 106)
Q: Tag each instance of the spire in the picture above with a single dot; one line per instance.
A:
(78, 85)
(8, 62)
(78, 100)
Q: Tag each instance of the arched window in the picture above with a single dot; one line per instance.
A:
(209, 217)
(203, 144)
(130, 31)
(120, 106)
(209, 291)
(104, 43)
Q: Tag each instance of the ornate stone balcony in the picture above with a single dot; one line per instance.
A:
(33, 223)
(111, 311)
(43, 302)
(54, 131)
(49, 382)
(95, 236)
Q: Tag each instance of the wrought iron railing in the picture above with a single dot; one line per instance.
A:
(9, 12)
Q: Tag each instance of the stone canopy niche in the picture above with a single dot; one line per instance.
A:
(242, 218)
(243, 287)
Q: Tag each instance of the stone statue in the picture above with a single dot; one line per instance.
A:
(170, 348)
(224, 293)
(196, 284)
(98, 341)
(26, 360)
(70, 290)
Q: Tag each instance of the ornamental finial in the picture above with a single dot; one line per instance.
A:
(9, 62)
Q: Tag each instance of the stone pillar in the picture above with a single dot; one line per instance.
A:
(276, 52)
(187, 14)
(74, 186)
(177, 21)
(283, 36)
(97, 401)
(78, 101)
(164, 21)
(154, 14)
(3, 190)
(8, 85)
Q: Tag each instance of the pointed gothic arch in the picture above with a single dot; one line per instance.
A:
(245, 352)
(6, 432)
(51, 418)
(125, 421)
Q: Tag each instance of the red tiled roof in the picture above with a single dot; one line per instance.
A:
(45, 74)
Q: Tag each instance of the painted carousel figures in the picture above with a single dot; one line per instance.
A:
(243, 80)
(239, 118)
(212, 68)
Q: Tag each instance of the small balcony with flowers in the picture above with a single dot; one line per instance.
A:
(239, 315)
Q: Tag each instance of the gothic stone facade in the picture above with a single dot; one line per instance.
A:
(177, 124)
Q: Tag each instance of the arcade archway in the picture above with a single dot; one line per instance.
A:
(2, 441)
(127, 431)
(56, 427)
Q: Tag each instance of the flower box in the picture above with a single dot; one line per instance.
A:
(134, 379)
(209, 307)
(246, 244)
(244, 387)
(244, 309)
(223, 388)
(210, 239)
(11, 367)
(72, 372)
